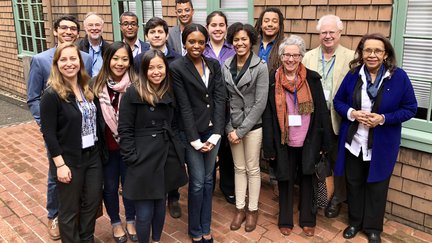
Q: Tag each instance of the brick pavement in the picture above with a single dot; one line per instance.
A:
(23, 169)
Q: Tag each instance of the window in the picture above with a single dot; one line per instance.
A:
(235, 10)
(412, 39)
(29, 26)
(144, 9)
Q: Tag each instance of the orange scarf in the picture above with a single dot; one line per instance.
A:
(304, 97)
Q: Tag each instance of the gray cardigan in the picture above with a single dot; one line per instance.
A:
(247, 99)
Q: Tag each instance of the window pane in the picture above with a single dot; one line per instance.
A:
(234, 4)
(151, 9)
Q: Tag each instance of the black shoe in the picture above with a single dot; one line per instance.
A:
(350, 232)
(374, 237)
(174, 209)
(120, 239)
(332, 210)
(132, 237)
(230, 199)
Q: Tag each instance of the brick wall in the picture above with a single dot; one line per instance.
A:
(11, 68)
(410, 195)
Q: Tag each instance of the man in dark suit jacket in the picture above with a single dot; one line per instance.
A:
(184, 11)
(66, 29)
(156, 32)
(129, 27)
(93, 43)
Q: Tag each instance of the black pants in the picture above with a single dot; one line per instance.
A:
(226, 168)
(286, 194)
(339, 195)
(366, 201)
(79, 200)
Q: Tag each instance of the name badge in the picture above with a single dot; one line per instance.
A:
(294, 120)
(327, 94)
(87, 141)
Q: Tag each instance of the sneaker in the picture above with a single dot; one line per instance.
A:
(53, 229)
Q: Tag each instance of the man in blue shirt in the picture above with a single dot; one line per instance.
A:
(271, 30)
(66, 29)
(93, 43)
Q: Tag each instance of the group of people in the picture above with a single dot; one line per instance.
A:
(156, 115)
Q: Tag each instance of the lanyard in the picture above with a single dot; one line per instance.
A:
(324, 64)
(295, 92)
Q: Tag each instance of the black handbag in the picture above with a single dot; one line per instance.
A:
(322, 168)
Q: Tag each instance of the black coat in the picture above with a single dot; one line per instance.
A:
(153, 154)
(317, 138)
(197, 103)
(61, 129)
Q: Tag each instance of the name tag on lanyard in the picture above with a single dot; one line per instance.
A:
(294, 120)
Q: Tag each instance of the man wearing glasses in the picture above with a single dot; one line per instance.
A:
(66, 29)
(93, 43)
(184, 11)
(129, 28)
(331, 60)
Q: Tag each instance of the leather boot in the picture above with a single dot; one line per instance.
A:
(238, 219)
(251, 220)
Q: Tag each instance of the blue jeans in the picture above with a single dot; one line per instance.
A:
(52, 201)
(150, 215)
(200, 191)
(115, 171)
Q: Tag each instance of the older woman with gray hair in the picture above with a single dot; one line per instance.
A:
(296, 129)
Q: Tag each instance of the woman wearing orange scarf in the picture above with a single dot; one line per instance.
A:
(296, 127)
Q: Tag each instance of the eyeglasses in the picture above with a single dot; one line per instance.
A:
(186, 10)
(331, 33)
(71, 28)
(287, 56)
(369, 52)
(127, 24)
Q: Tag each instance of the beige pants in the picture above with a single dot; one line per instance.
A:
(246, 155)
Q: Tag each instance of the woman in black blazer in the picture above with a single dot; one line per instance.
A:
(150, 149)
(70, 126)
(201, 94)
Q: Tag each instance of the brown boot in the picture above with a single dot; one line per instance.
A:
(251, 220)
(238, 219)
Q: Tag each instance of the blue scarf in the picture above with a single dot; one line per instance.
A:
(372, 88)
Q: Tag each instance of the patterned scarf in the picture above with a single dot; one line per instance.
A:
(372, 88)
(109, 113)
(304, 97)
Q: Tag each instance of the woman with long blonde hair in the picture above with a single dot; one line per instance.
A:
(69, 123)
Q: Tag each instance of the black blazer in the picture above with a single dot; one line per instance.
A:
(197, 103)
(61, 128)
